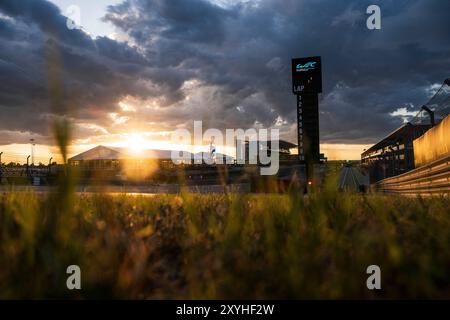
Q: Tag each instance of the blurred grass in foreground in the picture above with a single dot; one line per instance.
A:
(225, 246)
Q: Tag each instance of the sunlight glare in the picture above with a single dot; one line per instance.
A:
(136, 143)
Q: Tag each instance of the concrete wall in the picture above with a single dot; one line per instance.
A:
(434, 144)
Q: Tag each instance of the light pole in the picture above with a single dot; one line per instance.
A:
(28, 158)
(32, 151)
(50, 164)
(1, 167)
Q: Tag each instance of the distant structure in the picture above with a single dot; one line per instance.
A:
(400, 151)
(306, 85)
(394, 154)
(33, 144)
(212, 151)
(119, 165)
(284, 150)
(105, 157)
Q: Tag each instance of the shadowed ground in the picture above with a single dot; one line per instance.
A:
(224, 246)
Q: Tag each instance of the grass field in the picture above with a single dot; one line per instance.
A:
(224, 246)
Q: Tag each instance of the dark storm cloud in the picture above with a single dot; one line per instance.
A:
(96, 73)
(238, 55)
(247, 51)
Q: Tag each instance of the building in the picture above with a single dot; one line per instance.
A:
(394, 154)
(105, 157)
(207, 157)
(266, 147)
(405, 148)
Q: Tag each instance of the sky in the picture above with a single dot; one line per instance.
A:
(138, 69)
(91, 16)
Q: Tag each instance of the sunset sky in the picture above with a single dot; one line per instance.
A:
(139, 69)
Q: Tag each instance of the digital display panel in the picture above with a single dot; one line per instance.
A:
(306, 75)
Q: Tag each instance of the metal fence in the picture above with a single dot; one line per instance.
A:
(430, 179)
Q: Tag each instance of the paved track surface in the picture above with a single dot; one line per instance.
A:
(352, 179)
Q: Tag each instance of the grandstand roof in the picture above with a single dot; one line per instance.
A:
(406, 132)
(114, 153)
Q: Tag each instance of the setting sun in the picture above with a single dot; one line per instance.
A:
(136, 143)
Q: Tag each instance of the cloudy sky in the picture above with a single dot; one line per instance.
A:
(137, 69)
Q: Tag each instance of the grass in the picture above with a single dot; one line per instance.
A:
(224, 246)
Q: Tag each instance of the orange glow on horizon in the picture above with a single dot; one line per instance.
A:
(341, 151)
(137, 142)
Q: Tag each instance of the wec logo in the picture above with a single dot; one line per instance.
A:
(307, 66)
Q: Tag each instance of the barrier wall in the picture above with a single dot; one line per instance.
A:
(434, 144)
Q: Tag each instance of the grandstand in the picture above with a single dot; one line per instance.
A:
(394, 154)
